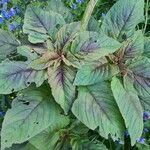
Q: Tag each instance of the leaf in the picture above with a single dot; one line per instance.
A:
(140, 68)
(93, 25)
(8, 44)
(48, 139)
(32, 112)
(84, 143)
(41, 24)
(95, 72)
(147, 47)
(15, 76)
(27, 52)
(59, 7)
(135, 46)
(96, 108)
(130, 108)
(24, 146)
(65, 35)
(145, 102)
(47, 60)
(45, 140)
(61, 81)
(122, 18)
(92, 45)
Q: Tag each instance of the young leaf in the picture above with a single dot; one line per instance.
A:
(123, 17)
(32, 112)
(47, 60)
(130, 108)
(135, 46)
(61, 82)
(15, 76)
(96, 107)
(8, 44)
(66, 34)
(140, 68)
(95, 72)
(92, 45)
(41, 24)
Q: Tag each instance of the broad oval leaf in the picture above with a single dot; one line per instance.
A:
(93, 45)
(96, 107)
(92, 73)
(8, 44)
(61, 81)
(15, 76)
(123, 17)
(130, 108)
(33, 111)
(41, 24)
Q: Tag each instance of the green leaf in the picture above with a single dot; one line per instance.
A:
(59, 7)
(27, 52)
(135, 46)
(65, 35)
(130, 108)
(24, 146)
(61, 81)
(123, 17)
(33, 111)
(93, 25)
(81, 143)
(147, 47)
(15, 76)
(8, 44)
(140, 68)
(145, 102)
(92, 45)
(95, 72)
(96, 107)
(47, 139)
(41, 24)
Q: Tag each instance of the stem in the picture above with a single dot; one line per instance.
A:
(146, 15)
(87, 14)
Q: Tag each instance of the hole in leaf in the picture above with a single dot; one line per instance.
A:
(26, 103)
(28, 83)
(95, 41)
(5, 141)
(12, 90)
(124, 37)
